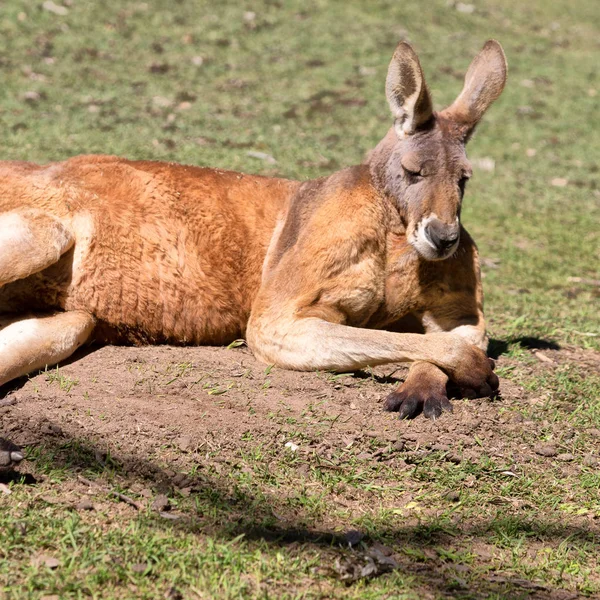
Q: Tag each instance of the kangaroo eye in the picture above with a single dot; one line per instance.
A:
(462, 183)
(412, 175)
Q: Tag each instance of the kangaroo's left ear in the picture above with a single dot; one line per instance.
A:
(484, 82)
(406, 91)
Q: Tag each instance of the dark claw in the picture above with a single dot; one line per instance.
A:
(435, 406)
(493, 381)
(432, 408)
(393, 401)
(10, 454)
(487, 390)
(411, 404)
(469, 393)
(410, 408)
(407, 406)
(447, 405)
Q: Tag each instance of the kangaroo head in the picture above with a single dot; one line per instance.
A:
(422, 163)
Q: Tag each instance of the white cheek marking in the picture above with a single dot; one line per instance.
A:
(421, 235)
(419, 240)
(423, 245)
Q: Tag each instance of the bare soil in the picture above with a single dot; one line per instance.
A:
(173, 402)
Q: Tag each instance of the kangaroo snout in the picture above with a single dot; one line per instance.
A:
(443, 236)
(435, 239)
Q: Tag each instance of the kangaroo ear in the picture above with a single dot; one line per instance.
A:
(406, 91)
(484, 82)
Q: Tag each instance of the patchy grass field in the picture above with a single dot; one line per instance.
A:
(167, 473)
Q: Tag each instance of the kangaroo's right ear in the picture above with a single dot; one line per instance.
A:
(406, 91)
(484, 82)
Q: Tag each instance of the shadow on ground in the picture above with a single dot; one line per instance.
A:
(239, 512)
(497, 348)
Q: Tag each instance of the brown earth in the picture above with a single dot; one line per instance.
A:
(175, 401)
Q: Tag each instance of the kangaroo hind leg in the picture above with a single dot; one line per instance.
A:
(30, 241)
(29, 344)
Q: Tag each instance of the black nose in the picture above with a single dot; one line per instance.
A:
(442, 236)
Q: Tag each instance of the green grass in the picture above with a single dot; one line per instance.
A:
(206, 83)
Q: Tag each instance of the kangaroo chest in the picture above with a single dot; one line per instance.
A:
(409, 286)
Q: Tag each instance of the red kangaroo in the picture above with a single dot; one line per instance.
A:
(367, 266)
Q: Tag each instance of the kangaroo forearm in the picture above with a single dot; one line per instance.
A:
(310, 344)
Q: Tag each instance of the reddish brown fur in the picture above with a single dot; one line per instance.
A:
(172, 253)
(177, 251)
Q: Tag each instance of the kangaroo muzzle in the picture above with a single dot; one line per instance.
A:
(442, 236)
(435, 239)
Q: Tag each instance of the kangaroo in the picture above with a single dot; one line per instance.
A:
(367, 266)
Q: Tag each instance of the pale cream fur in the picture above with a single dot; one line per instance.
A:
(30, 344)
(33, 234)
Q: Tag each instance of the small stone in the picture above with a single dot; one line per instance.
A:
(185, 491)
(139, 567)
(544, 449)
(31, 97)
(484, 164)
(440, 447)
(55, 9)
(84, 504)
(381, 549)
(367, 71)
(293, 447)
(197, 61)
(181, 480)
(262, 156)
(162, 102)
(44, 560)
(184, 443)
(542, 357)
(170, 516)
(173, 594)
(161, 503)
(565, 456)
(465, 8)
(559, 182)
(525, 110)
(454, 458)
(591, 461)
(594, 432)
(531, 152)
(453, 496)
